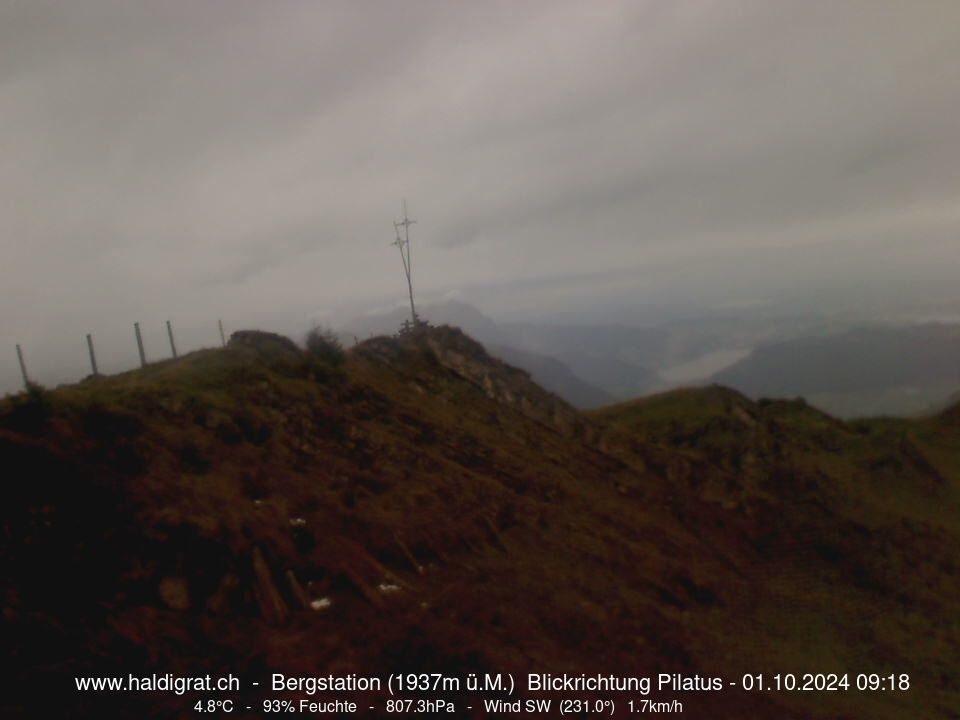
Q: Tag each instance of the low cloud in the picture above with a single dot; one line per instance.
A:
(246, 159)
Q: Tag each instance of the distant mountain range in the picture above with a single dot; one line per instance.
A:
(848, 371)
(586, 365)
(864, 371)
(553, 375)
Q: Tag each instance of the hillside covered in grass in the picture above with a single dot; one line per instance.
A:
(423, 506)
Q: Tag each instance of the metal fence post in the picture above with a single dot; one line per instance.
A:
(93, 355)
(23, 368)
(173, 346)
(143, 355)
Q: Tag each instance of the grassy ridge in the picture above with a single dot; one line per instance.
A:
(456, 517)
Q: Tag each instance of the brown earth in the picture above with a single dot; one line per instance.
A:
(424, 507)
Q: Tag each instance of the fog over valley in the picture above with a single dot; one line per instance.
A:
(756, 170)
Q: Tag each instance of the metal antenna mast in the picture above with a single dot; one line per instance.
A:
(404, 246)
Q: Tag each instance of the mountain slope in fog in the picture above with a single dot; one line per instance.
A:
(587, 365)
(553, 375)
(869, 370)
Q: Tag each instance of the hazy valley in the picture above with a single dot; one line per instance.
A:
(850, 368)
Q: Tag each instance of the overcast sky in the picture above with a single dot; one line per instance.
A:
(200, 159)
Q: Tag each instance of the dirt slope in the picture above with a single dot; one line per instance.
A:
(442, 512)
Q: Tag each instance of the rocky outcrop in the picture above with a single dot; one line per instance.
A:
(459, 354)
(501, 382)
(266, 344)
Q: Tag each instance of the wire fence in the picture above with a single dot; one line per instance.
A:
(91, 349)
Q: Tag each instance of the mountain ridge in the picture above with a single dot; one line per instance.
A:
(867, 370)
(585, 379)
(442, 511)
